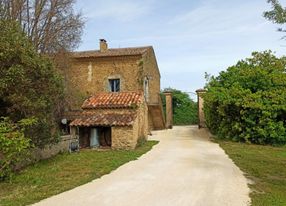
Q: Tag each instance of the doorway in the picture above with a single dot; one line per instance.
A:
(104, 136)
(95, 137)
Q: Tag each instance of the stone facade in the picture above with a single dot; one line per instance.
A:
(51, 150)
(128, 137)
(89, 75)
(151, 71)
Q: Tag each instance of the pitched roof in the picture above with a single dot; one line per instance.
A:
(132, 51)
(91, 119)
(112, 100)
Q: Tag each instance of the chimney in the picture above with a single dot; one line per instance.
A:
(103, 45)
(169, 109)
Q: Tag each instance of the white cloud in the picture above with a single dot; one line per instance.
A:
(216, 17)
(123, 11)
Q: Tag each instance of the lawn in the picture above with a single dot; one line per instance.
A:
(265, 166)
(64, 172)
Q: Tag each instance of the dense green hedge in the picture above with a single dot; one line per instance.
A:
(185, 110)
(248, 101)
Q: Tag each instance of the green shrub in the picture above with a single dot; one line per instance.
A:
(14, 146)
(248, 101)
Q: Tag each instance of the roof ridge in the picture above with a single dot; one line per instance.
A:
(113, 100)
(97, 50)
(112, 52)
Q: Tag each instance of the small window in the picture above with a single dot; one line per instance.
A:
(114, 85)
(146, 89)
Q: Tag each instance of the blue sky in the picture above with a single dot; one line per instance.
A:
(189, 37)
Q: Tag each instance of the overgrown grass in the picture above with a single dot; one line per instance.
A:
(266, 166)
(64, 172)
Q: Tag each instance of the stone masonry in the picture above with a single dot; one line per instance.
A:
(201, 115)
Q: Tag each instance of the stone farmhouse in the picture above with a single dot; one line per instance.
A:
(115, 94)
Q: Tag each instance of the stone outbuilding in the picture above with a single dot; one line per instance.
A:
(112, 120)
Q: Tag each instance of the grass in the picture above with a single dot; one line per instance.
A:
(64, 172)
(265, 166)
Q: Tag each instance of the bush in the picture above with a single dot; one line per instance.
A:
(247, 102)
(14, 146)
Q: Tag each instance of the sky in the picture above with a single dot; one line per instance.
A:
(189, 37)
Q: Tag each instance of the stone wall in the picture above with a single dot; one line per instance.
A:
(126, 137)
(201, 115)
(49, 151)
(169, 110)
(151, 70)
(54, 149)
(123, 138)
(143, 126)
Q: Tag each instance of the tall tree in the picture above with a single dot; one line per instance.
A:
(277, 14)
(29, 85)
(51, 25)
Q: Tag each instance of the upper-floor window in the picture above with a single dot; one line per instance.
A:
(114, 85)
(146, 89)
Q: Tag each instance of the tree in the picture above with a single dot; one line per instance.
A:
(185, 110)
(29, 85)
(277, 14)
(247, 101)
(51, 25)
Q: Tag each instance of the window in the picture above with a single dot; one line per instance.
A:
(114, 85)
(146, 89)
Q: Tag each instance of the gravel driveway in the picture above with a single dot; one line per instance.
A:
(185, 168)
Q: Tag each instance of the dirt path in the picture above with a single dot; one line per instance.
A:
(184, 169)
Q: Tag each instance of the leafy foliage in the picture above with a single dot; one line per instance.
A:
(29, 85)
(277, 14)
(13, 144)
(185, 110)
(247, 102)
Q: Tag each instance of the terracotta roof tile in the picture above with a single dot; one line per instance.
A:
(112, 52)
(113, 100)
(70, 115)
(89, 119)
